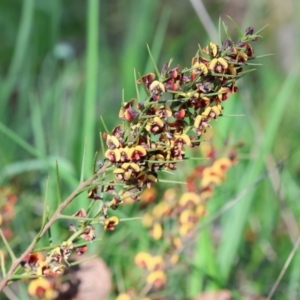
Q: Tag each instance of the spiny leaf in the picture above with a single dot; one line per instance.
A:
(136, 86)
(153, 62)
(103, 122)
(236, 26)
(58, 191)
(83, 162)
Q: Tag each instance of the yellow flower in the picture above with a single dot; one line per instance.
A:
(110, 223)
(147, 220)
(142, 260)
(189, 199)
(157, 231)
(112, 142)
(41, 288)
(157, 279)
(174, 259)
(123, 296)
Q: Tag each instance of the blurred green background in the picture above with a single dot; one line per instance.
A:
(63, 64)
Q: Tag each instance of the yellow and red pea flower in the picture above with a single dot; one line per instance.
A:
(41, 288)
(136, 153)
(112, 142)
(155, 125)
(157, 231)
(88, 234)
(149, 262)
(110, 223)
(157, 279)
(148, 195)
(127, 112)
(156, 88)
(81, 249)
(32, 260)
(218, 65)
(146, 80)
(113, 155)
(189, 199)
(143, 259)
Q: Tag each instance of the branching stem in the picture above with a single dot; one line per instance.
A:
(82, 186)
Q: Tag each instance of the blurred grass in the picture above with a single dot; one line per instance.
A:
(92, 67)
(61, 69)
(238, 216)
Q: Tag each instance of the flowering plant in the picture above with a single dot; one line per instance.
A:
(153, 136)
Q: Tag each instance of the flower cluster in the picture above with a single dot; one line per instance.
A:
(154, 134)
(179, 108)
(184, 212)
(41, 287)
(204, 179)
(154, 266)
(154, 274)
(175, 218)
(47, 269)
(53, 265)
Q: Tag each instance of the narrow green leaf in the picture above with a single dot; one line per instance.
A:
(58, 191)
(2, 263)
(153, 62)
(20, 50)
(102, 145)
(135, 39)
(104, 124)
(45, 207)
(89, 115)
(136, 86)
(220, 30)
(204, 262)
(237, 28)
(34, 152)
(95, 161)
(7, 246)
(83, 162)
(225, 27)
(159, 37)
(284, 269)
(235, 222)
(264, 55)
(294, 278)
(260, 30)
(172, 181)
(50, 239)
(37, 124)
(77, 262)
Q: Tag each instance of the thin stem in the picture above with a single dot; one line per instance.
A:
(286, 265)
(55, 216)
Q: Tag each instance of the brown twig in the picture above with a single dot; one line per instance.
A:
(82, 185)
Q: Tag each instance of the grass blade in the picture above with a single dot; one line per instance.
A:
(7, 246)
(153, 62)
(83, 162)
(89, 116)
(20, 51)
(2, 263)
(235, 223)
(33, 151)
(37, 125)
(237, 28)
(58, 191)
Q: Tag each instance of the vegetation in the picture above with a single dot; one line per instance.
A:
(62, 75)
